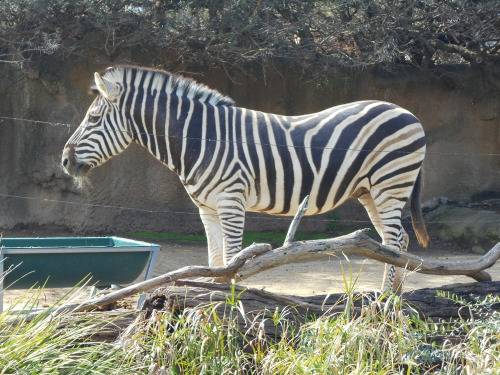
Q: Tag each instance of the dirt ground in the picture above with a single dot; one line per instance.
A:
(304, 278)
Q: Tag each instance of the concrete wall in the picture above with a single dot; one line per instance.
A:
(462, 125)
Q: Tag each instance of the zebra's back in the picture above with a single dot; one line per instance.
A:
(330, 155)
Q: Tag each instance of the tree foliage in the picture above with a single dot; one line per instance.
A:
(311, 35)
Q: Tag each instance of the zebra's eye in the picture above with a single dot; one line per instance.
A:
(94, 119)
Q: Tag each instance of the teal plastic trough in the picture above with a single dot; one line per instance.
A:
(64, 262)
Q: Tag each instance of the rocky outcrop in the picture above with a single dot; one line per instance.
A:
(473, 226)
(462, 127)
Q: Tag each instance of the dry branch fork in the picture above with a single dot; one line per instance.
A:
(260, 257)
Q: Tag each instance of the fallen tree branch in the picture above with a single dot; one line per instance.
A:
(170, 277)
(260, 257)
(258, 310)
(359, 243)
(226, 289)
(428, 302)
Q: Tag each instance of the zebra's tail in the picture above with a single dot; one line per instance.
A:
(417, 219)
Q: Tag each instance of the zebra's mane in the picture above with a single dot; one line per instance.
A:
(171, 83)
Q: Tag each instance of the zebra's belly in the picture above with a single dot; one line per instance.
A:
(294, 207)
(287, 203)
(279, 203)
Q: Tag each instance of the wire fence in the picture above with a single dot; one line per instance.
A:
(249, 215)
(177, 212)
(71, 126)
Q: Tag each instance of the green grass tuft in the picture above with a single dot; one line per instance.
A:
(380, 338)
(59, 344)
(380, 335)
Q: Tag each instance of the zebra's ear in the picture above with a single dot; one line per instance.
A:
(106, 88)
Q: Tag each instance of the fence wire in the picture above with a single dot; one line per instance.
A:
(248, 215)
(70, 126)
(173, 212)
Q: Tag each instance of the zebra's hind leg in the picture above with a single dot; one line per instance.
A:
(399, 273)
(370, 207)
(385, 214)
(394, 236)
(212, 225)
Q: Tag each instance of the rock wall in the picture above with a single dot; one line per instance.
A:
(462, 126)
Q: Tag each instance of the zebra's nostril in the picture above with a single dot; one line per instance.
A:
(65, 162)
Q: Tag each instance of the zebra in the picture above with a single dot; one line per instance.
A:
(232, 159)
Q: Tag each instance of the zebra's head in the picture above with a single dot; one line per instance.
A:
(101, 135)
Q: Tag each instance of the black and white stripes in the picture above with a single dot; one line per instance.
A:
(233, 160)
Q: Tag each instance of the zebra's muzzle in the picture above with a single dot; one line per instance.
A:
(77, 169)
(71, 166)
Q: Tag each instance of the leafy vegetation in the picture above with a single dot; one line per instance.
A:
(382, 337)
(54, 344)
(312, 36)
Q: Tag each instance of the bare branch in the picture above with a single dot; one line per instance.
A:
(295, 222)
(260, 257)
(359, 243)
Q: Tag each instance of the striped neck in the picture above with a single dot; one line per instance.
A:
(171, 128)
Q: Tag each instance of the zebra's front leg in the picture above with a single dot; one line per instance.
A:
(212, 225)
(232, 220)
